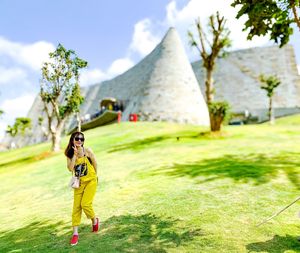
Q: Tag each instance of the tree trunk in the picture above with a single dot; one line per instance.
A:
(271, 112)
(209, 86)
(56, 136)
(215, 122)
(56, 141)
(78, 122)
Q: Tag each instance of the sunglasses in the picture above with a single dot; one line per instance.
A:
(79, 139)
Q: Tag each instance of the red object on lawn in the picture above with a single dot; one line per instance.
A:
(119, 116)
(133, 117)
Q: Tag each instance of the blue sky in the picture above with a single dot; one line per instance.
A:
(111, 35)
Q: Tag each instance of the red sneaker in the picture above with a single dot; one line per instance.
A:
(74, 240)
(96, 226)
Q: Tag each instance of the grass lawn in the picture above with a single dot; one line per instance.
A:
(162, 188)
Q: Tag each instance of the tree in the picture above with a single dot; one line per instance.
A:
(273, 17)
(19, 127)
(269, 84)
(209, 52)
(60, 91)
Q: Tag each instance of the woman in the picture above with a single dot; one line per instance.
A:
(82, 162)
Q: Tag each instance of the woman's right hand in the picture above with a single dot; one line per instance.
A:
(75, 151)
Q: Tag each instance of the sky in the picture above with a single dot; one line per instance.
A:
(112, 35)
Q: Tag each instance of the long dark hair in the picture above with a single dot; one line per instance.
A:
(69, 151)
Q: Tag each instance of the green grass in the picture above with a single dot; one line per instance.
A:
(163, 188)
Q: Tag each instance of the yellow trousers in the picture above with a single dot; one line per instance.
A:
(83, 200)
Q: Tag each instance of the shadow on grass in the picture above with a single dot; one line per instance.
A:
(17, 162)
(126, 233)
(258, 168)
(143, 233)
(145, 143)
(278, 244)
(27, 159)
(139, 144)
(36, 237)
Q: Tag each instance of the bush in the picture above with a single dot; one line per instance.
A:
(218, 113)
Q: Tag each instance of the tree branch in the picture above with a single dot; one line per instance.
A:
(193, 41)
(55, 108)
(201, 36)
(48, 116)
(294, 9)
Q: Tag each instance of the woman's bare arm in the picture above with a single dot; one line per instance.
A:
(71, 163)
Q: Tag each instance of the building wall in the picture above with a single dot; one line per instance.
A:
(236, 78)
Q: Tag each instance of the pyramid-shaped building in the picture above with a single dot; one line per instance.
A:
(161, 87)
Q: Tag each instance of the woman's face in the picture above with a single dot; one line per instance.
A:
(78, 140)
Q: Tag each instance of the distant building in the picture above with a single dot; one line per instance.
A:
(236, 80)
(163, 87)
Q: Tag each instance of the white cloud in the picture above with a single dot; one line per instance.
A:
(91, 76)
(13, 108)
(19, 73)
(18, 106)
(10, 75)
(2, 129)
(143, 40)
(119, 66)
(35, 54)
(28, 55)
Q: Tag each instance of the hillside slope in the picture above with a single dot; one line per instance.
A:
(162, 188)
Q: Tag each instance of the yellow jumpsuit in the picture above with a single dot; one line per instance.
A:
(84, 195)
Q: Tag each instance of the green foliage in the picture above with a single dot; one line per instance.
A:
(73, 102)
(40, 120)
(269, 17)
(60, 78)
(20, 126)
(269, 84)
(218, 112)
(60, 89)
(220, 108)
